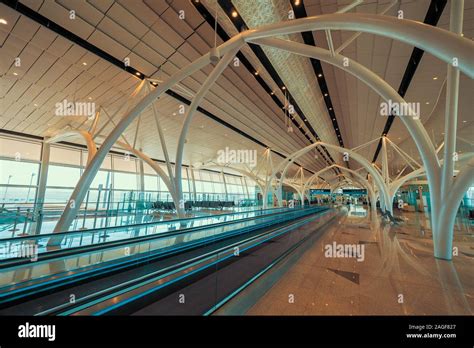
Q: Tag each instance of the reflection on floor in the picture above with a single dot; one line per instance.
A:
(397, 276)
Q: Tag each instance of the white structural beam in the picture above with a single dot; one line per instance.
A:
(213, 76)
(443, 241)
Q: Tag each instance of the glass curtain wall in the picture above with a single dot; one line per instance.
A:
(116, 183)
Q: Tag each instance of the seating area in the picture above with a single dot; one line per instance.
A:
(189, 205)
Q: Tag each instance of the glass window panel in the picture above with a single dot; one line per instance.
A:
(26, 149)
(125, 181)
(103, 178)
(18, 172)
(199, 186)
(205, 176)
(207, 187)
(17, 194)
(66, 156)
(106, 164)
(63, 176)
(124, 163)
(53, 195)
(151, 183)
(219, 187)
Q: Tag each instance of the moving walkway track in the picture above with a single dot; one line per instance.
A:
(192, 276)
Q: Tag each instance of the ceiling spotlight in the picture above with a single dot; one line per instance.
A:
(464, 121)
(138, 74)
(3, 21)
(90, 98)
(234, 14)
(84, 63)
(283, 88)
(320, 75)
(325, 94)
(272, 93)
(297, 2)
(256, 73)
(15, 74)
(427, 103)
(330, 108)
(435, 78)
(35, 104)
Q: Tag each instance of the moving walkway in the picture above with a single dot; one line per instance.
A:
(187, 271)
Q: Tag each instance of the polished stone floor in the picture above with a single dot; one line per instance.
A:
(397, 276)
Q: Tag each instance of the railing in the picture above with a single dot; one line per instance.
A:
(30, 246)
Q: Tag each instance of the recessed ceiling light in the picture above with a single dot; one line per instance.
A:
(3, 21)
(35, 104)
(90, 98)
(283, 87)
(15, 74)
(320, 75)
(325, 94)
(272, 93)
(427, 103)
(256, 73)
(234, 14)
(464, 121)
(435, 78)
(297, 2)
(84, 63)
(330, 108)
(138, 74)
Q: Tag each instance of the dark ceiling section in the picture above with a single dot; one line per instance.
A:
(308, 38)
(40, 19)
(241, 26)
(432, 17)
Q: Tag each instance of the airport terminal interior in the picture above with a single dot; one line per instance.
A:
(236, 157)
